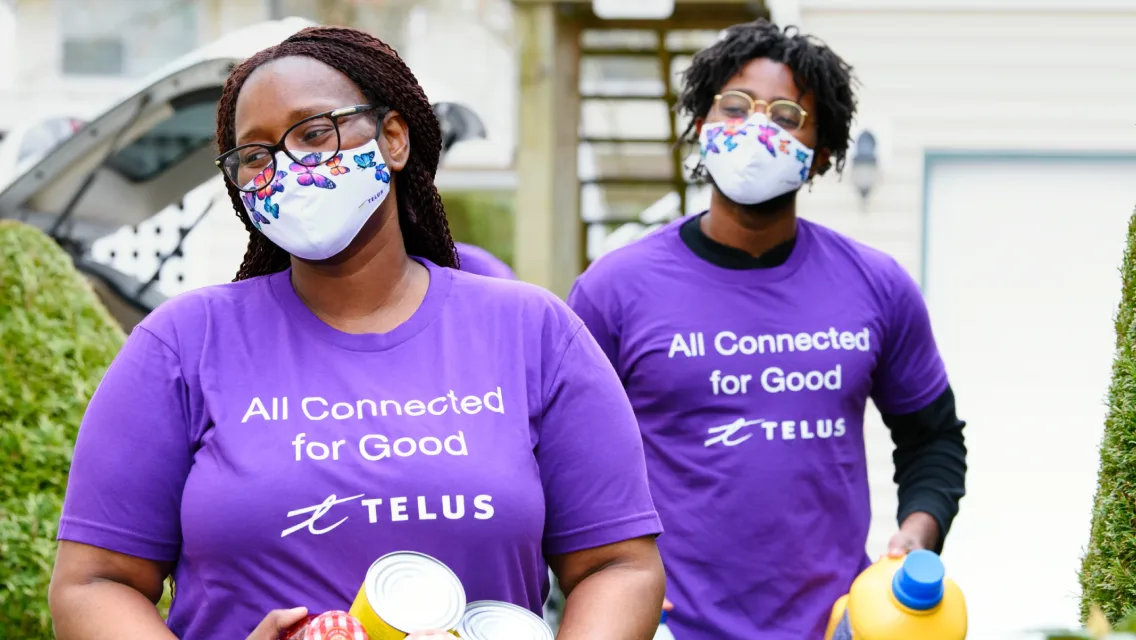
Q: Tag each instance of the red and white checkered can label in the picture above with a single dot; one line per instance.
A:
(336, 625)
(297, 631)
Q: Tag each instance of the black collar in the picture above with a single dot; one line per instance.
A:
(720, 255)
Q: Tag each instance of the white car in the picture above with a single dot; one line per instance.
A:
(83, 181)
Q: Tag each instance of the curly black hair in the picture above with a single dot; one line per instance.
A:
(816, 70)
(385, 80)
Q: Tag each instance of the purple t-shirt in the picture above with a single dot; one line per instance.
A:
(474, 259)
(274, 458)
(750, 388)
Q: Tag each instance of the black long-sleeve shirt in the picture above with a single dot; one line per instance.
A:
(930, 451)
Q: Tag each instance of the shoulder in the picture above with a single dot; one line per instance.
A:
(188, 316)
(623, 269)
(512, 302)
(880, 271)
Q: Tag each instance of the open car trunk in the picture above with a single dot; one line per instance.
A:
(142, 155)
(131, 161)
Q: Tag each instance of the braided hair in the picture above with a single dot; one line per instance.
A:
(816, 70)
(385, 80)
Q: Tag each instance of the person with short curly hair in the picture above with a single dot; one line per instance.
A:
(350, 395)
(750, 342)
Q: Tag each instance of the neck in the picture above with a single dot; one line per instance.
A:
(373, 273)
(754, 229)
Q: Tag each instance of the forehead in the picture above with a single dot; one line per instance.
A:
(282, 91)
(765, 79)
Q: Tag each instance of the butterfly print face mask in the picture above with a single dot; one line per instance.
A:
(315, 212)
(754, 160)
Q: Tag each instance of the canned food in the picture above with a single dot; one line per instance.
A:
(492, 620)
(405, 592)
(333, 625)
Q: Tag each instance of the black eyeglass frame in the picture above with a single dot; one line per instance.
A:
(334, 115)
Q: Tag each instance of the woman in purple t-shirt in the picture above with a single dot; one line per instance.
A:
(349, 395)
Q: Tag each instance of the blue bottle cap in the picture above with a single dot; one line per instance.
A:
(918, 584)
(663, 618)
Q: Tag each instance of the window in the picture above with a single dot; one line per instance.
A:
(124, 37)
(93, 56)
(191, 127)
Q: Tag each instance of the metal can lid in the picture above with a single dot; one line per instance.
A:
(336, 625)
(414, 592)
(492, 620)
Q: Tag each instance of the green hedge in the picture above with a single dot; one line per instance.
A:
(1108, 572)
(483, 218)
(56, 340)
(1097, 627)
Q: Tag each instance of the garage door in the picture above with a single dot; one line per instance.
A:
(1022, 283)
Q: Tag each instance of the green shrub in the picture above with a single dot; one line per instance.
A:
(1097, 627)
(483, 218)
(1108, 579)
(56, 340)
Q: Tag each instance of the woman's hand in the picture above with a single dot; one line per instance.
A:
(276, 622)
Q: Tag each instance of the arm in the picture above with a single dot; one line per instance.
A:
(930, 469)
(97, 594)
(120, 530)
(600, 521)
(911, 390)
(608, 588)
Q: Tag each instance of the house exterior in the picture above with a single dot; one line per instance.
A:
(1006, 134)
(1006, 147)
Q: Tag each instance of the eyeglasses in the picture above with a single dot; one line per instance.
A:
(786, 114)
(310, 142)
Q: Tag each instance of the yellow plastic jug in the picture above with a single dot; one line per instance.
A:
(901, 599)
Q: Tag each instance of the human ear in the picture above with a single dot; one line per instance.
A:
(394, 140)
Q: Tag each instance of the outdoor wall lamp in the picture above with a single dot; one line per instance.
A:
(865, 165)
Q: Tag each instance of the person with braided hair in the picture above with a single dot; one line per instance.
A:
(350, 394)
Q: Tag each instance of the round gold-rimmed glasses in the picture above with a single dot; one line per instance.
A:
(784, 113)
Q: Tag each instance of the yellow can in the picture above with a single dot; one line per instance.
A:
(493, 620)
(406, 592)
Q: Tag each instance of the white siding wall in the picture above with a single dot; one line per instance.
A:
(972, 80)
(967, 78)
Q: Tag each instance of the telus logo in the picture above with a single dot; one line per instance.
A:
(731, 435)
(370, 200)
